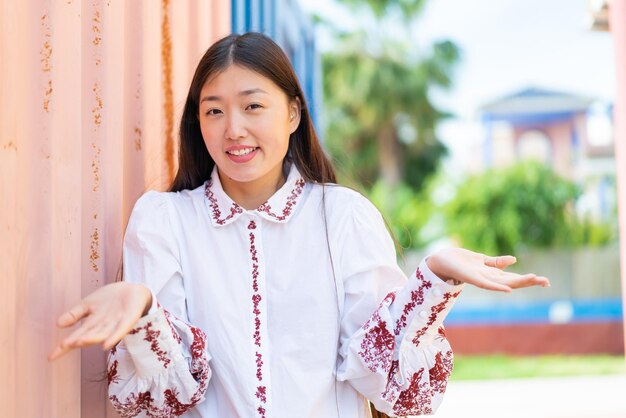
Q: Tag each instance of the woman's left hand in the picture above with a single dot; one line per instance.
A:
(480, 270)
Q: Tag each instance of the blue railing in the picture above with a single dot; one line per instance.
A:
(551, 311)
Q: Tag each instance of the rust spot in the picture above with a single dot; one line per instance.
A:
(97, 116)
(166, 59)
(46, 50)
(10, 145)
(95, 216)
(95, 167)
(96, 28)
(48, 93)
(94, 256)
(138, 139)
(45, 54)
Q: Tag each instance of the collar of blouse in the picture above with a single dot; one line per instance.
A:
(278, 208)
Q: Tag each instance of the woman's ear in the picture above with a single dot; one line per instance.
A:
(294, 114)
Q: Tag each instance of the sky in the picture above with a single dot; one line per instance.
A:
(506, 46)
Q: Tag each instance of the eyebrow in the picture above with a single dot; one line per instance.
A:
(241, 93)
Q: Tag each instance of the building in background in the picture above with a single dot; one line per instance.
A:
(571, 134)
(582, 312)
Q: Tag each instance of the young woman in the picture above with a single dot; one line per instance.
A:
(257, 287)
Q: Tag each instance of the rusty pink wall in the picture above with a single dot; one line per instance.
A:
(90, 94)
(617, 23)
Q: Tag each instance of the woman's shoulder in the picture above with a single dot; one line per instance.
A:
(343, 200)
(153, 200)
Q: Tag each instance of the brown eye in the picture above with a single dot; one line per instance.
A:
(213, 112)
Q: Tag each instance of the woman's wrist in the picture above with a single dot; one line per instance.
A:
(437, 266)
(147, 296)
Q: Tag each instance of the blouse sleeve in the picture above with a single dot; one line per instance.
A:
(161, 368)
(393, 347)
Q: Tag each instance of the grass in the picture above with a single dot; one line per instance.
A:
(506, 367)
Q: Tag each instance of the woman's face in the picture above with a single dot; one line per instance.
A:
(246, 121)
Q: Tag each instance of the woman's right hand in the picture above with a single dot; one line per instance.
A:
(108, 314)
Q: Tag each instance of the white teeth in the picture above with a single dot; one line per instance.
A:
(243, 151)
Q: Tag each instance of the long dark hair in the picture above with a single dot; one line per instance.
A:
(261, 54)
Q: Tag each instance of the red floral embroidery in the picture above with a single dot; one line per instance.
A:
(199, 363)
(434, 312)
(377, 347)
(169, 322)
(152, 337)
(261, 411)
(261, 392)
(217, 214)
(176, 407)
(291, 201)
(145, 403)
(378, 343)
(440, 372)
(417, 298)
(391, 296)
(393, 385)
(416, 399)
(112, 376)
(259, 365)
(136, 404)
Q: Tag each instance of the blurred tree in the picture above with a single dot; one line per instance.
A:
(381, 8)
(407, 212)
(526, 204)
(380, 118)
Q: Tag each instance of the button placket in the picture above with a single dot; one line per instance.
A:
(259, 310)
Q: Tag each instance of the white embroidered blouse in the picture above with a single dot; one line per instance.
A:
(253, 318)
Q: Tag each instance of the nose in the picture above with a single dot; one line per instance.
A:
(235, 126)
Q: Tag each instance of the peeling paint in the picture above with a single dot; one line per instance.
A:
(10, 145)
(95, 167)
(97, 116)
(96, 28)
(138, 139)
(46, 56)
(168, 104)
(48, 94)
(94, 256)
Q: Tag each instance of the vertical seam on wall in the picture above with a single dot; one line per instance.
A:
(168, 104)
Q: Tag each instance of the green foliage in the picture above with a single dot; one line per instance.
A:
(523, 205)
(378, 111)
(500, 209)
(407, 8)
(405, 210)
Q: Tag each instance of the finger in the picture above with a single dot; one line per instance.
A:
(91, 324)
(533, 280)
(487, 284)
(108, 334)
(58, 352)
(500, 262)
(72, 316)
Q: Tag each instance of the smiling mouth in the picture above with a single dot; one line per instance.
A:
(243, 151)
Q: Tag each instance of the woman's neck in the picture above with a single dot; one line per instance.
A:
(250, 195)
